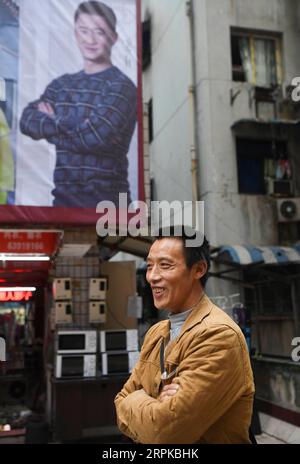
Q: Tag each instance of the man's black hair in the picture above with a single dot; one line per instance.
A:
(193, 254)
(100, 9)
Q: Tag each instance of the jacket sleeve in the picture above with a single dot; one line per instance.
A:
(37, 124)
(132, 385)
(211, 376)
(106, 124)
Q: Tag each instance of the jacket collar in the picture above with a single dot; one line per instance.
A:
(200, 311)
(165, 329)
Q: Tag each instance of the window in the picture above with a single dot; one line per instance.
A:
(238, 71)
(153, 190)
(146, 44)
(276, 298)
(150, 120)
(273, 297)
(263, 167)
(256, 58)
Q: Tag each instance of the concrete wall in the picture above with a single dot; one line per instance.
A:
(278, 382)
(229, 216)
(275, 336)
(218, 173)
(167, 82)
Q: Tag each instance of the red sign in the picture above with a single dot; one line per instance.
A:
(30, 242)
(15, 296)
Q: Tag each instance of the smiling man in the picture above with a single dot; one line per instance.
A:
(193, 382)
(89, 116)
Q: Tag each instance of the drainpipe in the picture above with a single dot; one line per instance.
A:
(194, 143)
(295, 306)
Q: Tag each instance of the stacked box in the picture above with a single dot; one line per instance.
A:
(97, 300)
(62, 296)
(119, 351)
(80, 270)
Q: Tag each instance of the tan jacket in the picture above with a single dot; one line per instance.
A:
(214, 403)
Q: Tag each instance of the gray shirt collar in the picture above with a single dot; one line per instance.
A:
(176, 322)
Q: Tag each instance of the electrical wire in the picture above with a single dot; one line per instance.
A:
(180, 4)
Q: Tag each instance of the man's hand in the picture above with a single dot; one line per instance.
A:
(168, 391)
(46, 108)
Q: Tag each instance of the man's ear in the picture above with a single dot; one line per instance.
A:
(200, 269)
(114, 38)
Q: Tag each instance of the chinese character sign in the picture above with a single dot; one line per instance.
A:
(15, 295)
(43, 242)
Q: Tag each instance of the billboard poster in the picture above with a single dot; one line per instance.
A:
(70, 108)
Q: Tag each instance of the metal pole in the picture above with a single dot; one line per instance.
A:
(257, 305)
(194, 145)
(295, 305)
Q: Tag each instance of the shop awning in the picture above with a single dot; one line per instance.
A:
(138, 246)
(259, 128)
(245, 255)
(242, 123)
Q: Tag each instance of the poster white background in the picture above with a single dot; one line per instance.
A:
(48, 50)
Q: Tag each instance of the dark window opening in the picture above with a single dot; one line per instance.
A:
(146, 44)
(272, 297)
(238, 73)
(150, 120)
(152, 189)
(264, 167)
(288, 233)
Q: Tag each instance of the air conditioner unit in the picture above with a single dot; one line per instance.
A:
(279, 187)
(288, 209)
(98, 289)
(97, 311)
(63, 312)
(62, 289)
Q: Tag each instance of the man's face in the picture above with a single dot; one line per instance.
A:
(94, 37)
(172, 282)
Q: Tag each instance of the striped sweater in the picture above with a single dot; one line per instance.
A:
(93, 124)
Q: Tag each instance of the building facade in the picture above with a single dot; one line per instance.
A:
(219, 80)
